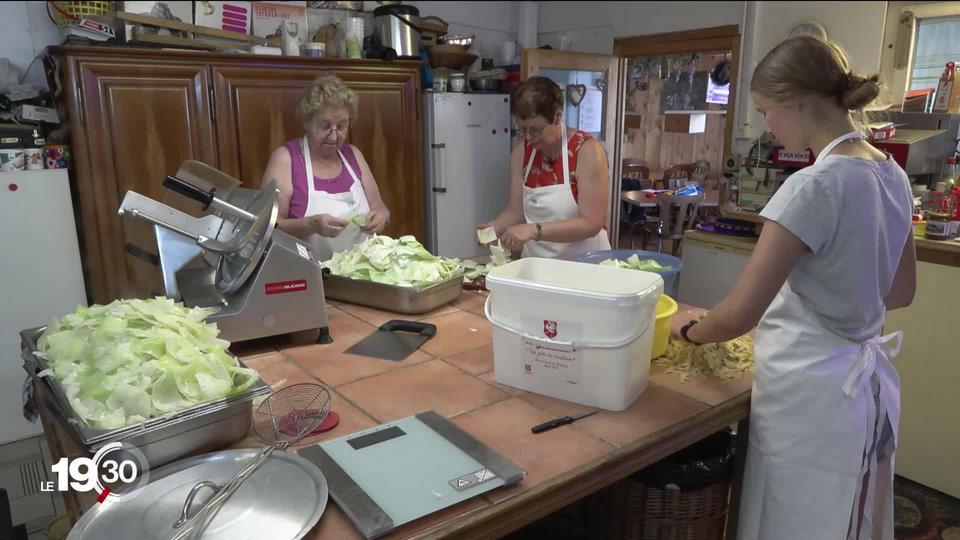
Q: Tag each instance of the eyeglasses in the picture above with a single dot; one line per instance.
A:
(323, 130)
(533, 132)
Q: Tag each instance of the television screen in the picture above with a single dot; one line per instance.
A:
(717, 94)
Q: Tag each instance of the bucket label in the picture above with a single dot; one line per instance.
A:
(545, 327)
(551, 364)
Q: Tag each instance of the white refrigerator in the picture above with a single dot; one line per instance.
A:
(467, 168)
(40, 276)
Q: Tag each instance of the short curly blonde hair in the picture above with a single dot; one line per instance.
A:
(324, 92)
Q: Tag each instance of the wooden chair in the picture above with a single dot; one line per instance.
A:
(673, 176)
(635, 169)
(700, 171)
(635, 176)
(677, 214)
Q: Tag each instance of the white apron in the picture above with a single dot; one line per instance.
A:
(819, 406)
(556, 203)
(338, 205)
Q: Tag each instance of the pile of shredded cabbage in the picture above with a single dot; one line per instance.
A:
(727, 360)
(132, 360)
(403, 262)
(634, 263)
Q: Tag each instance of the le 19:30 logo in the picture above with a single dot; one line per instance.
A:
(117, 469)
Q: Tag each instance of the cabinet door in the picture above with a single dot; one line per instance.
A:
(256, 112)
(141, 122)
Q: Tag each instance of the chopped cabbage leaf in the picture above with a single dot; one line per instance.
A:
(123, 363)
(473, 270)
(402, 262)
(634, 262)
(487, 236)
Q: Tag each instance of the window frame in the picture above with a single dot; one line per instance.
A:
(897, 81)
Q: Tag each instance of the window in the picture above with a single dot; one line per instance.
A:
(937, 42)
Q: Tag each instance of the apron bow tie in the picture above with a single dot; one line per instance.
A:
(866, 362)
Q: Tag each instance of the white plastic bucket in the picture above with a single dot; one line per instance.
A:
(574, 331)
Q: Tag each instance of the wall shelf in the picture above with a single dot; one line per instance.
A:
(695, 112)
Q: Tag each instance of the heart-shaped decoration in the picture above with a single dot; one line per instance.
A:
(576, 93)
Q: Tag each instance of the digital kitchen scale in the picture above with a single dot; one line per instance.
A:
(398, 472)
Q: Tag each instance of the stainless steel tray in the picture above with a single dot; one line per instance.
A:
(204, 427)
(407, 300)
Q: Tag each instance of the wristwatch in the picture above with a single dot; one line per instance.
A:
(539, 234)
(686, 328)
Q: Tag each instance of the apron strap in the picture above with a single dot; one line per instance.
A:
(308, 165)
(852, 136)
(564, 150)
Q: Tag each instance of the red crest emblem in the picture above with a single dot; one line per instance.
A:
(550, 329)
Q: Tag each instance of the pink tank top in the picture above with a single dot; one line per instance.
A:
(301, 192)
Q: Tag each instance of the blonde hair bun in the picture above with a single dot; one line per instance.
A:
(860, 91)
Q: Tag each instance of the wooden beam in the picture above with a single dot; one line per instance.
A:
(674, 37)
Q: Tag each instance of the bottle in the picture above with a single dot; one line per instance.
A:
(945, 89)
(950, 174)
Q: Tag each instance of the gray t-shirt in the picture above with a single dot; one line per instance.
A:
(854, 214)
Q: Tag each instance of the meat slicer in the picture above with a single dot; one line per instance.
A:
(261, 281)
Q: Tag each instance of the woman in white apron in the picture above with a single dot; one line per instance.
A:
(558, 181)
(835, 253)
(324, 182)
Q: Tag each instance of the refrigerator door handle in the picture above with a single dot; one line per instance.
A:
(439, 186)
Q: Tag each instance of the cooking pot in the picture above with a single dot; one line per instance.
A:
(397, 26)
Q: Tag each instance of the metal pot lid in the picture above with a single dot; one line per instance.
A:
(284, 498)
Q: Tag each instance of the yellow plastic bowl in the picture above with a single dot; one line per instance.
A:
(666, 308)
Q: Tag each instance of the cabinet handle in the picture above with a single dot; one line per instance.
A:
(213, 103)
(80, 111)
(439, 186)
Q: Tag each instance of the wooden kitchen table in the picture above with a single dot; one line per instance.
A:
(452, 374)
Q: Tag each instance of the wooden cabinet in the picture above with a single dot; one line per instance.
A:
(137, 114)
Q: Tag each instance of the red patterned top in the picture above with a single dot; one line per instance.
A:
(550, 172)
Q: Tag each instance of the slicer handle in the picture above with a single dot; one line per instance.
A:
(189, 190)
(414, 327)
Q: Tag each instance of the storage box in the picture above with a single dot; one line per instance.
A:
(181, 11)
(573, 331)
(268, 18)
(227, 16)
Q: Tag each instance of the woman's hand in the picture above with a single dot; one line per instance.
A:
(376, 221)
(327, 225)
(517, 236)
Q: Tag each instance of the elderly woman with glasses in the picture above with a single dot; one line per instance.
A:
(323, 181)
(558, 181)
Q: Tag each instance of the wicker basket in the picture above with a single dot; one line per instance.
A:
(658, 514)
(65, 13)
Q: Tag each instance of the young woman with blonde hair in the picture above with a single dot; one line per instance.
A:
(836, 253)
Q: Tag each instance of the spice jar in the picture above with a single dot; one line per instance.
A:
(938, 226)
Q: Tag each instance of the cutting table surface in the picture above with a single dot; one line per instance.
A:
(452, 374)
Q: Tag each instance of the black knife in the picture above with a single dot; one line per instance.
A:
(562, 421)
